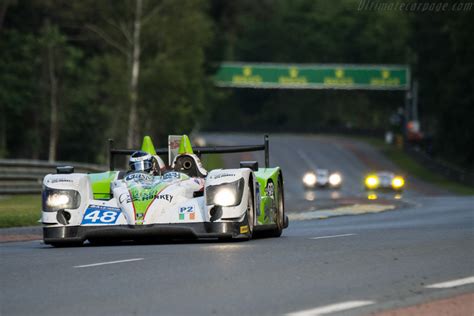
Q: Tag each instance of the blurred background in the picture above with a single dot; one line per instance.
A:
(74, 73)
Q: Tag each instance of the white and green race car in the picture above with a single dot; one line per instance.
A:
(183, 201)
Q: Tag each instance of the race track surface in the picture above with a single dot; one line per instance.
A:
(415, 249)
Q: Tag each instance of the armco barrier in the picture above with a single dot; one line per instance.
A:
(21, 176)
(442, 168)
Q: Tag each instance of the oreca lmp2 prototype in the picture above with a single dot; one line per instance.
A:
(181, 201)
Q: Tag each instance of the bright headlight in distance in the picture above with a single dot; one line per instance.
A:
(54, 200)
(398, 182)
(335, 179)
(372, 181)
(225, 197)
(309, 179)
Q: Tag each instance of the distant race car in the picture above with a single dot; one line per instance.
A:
(322, 178)
(384, 180)
(184, 201)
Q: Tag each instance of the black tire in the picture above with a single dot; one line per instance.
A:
(250, 213)
(280, 213)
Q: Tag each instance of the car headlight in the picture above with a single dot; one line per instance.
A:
(398, 182)
(226, 194)
(309, 179)
(335, 179)
(55, 200)
(372, 182)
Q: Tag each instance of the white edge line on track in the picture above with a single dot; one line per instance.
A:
(333, 236)
(333, 308)
(453, 283)
(109, 262)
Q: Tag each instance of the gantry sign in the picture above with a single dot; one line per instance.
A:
(313, 76)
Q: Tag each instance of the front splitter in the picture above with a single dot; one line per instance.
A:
(66, 234)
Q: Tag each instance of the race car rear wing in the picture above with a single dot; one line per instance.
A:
(198, 151)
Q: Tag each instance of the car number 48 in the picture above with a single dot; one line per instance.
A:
(97, 216)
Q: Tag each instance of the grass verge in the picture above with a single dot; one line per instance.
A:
(413, 167)
(20, 210)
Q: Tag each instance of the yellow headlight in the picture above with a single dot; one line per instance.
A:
(372, 182)
(398, 182)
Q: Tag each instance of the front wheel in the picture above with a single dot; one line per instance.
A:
(250, 215)
(280, 211)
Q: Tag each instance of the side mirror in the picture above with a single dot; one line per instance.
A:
(64, 169)
(253, 165)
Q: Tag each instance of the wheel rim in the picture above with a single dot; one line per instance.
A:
(250, 215)
(280, 219)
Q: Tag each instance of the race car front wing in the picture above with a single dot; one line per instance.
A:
(68, 234)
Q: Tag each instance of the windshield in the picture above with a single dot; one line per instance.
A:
(140, 165)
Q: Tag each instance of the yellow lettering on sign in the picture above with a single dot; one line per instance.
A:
(293, 78)
(384, 79)
(339, 79)
(293, 72)
(247, 71)
(247, 77)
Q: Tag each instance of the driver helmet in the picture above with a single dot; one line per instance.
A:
(141, 161)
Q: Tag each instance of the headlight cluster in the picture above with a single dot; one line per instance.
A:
(309, 179)
(55, 200)
(335, 179)
(372, 181)
(226, 194)
(398, 182)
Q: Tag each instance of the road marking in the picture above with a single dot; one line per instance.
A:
(453, 283)
(109, 262)
(333, 236)
(333, 308)
(355, 209)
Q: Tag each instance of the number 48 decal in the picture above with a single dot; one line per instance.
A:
(100, 215)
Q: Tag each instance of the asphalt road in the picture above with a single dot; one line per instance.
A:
(352, 265)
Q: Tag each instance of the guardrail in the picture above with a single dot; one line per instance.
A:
(21, 176)
(442, 168)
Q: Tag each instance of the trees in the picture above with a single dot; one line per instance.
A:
(444, 66)
(96, 70)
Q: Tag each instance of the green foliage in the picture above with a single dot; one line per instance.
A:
(310, 31)
(444, 67)
(91, 43)
(19, 90)
(182, 43)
